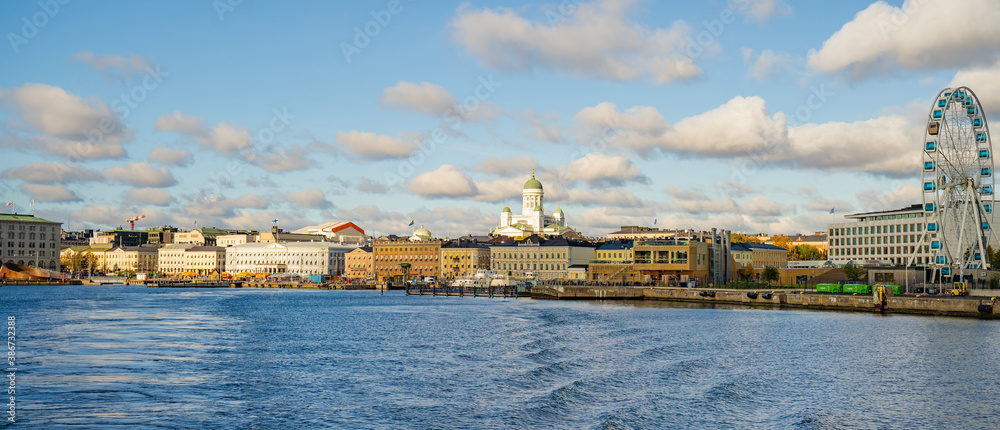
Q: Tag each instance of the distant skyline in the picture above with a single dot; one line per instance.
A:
(751, 115)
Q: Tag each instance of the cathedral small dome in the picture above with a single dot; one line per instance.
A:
(506, 208)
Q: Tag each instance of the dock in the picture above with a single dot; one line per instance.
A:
(478, 291)
(977, 307)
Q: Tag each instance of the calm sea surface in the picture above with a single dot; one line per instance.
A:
(131, 357)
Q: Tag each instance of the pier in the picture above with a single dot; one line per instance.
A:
(978, 307)
(476, 291)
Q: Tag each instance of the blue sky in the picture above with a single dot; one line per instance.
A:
(752, 115)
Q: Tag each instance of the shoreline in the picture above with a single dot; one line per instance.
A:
(969, 307)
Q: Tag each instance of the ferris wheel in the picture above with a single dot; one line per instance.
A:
(958, 183)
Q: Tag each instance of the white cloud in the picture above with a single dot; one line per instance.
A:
(735, 189)
(60, 123)
(225, 138)
(918, 35)
(313, 198)
(180, 123)
(168, 156)
(50, 193)
(368, 185)
(445, 181)
(594, 40)
(425, 97)
(504, 189)
(542, 126)
(983, 82)
(741, 125)
(767, 65)
(615, 197)
(744, 130)
(114, 67)
(686, 194)
(375, 146)
(141, 174)
(598, 168)
(219, 208)
(899, 197)
(705, 206)
(49, 172)
(152, 196)
(518, 164)
(761, 10)
(294, 158)
(761, 206)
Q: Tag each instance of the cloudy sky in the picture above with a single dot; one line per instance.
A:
(753, 115)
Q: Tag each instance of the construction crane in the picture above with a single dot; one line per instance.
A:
(131, 221)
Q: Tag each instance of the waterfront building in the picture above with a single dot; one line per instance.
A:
(336, 231)
(358, 264)
(882, 237)
(635, 232)
(131, 259)
(278, 235)
(418, 256)
(74, 238)
(462, 258)
(120, 237)
(170, 258)
(202, 236)
(764, 255)
(818, 240)
(302, 258)
(235, 239)
(205, 260)
(742, 256)
(539, 258)
(614, 261)
(673, 261)
(532, 219)
(30, 241)
(161, 235)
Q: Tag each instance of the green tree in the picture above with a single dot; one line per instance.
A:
(993, 256)
(854, 272)
(805, 252)
(770, 274)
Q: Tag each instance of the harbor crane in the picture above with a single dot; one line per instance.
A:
(131, 221)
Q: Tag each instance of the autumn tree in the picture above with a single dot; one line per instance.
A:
(805, 252)
(746, 273)
(782, 241)
(853, 272)
(741, 238)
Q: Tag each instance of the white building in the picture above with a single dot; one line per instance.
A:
(30, 241)
(234, 239)
(205, 260)
(170, 258)
(885, 237)
(337, 231)
(303, 258)
(532, 219)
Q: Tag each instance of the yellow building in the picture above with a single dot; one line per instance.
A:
(672, 261)
(131, 259)
(614, 262)
(421, 255)
(358, 263)
(765, 255)
(463, 259)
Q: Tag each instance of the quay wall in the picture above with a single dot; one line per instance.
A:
(939, 305)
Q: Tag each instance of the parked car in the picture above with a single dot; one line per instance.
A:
(918, 290)
(933, 290)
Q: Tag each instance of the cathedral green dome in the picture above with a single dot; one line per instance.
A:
(506, 208)
(532, 183)
(559, 210)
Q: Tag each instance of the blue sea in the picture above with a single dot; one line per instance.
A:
(110, 357)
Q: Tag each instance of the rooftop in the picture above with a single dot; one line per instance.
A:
(26, 218)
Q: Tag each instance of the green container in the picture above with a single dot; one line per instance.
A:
(857, 289)
(895, 289)
(827, 288)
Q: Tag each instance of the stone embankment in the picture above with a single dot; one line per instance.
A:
(980, 307)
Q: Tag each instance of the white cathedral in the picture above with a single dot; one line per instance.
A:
(532, 219)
